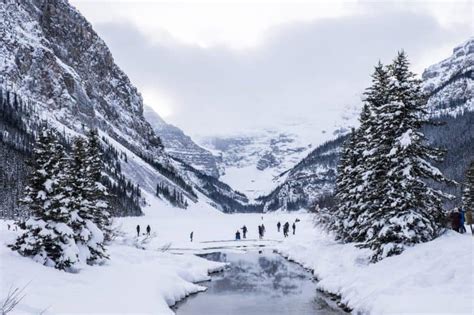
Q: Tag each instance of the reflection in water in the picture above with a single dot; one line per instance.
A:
(258, 284)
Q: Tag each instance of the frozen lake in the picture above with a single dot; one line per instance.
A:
(260, 284)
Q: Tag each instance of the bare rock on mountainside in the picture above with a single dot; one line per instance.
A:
(181, 146)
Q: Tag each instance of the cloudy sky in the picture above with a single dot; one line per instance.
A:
(229, 66)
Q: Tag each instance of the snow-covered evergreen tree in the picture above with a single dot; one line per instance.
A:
(344, 184)
(96, 193)
(408, 210)
(89, 237)
(48, 236)
(383, 199)
(468, 191)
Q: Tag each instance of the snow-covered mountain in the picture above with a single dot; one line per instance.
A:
(51, 57)
(252, 161)
(181, 146)
(450, 86)
(450, 82)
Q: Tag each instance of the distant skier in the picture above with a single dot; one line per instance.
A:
(244, 231)
(294, 227)
(191, 236)
(148, 230)
(138, 230)
(237, 235)
(260, 234)
(278, 226)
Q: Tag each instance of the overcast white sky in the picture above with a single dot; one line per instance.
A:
(227, 66)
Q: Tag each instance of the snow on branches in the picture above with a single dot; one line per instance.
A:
(384, 201)
(70, 219)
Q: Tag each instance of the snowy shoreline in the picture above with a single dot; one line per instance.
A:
(434, 277)
(132, 281)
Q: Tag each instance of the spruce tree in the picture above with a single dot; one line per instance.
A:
(468, 191)
(342, 222)
(383, 199)
(371, 169)
(95, 191)
(48, 236)
(408, 210)
(89, 237)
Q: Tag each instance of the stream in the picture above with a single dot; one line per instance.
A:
(258, 283)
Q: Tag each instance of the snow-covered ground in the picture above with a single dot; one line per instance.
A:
(133, 280)
(435, 277)
(431, 278)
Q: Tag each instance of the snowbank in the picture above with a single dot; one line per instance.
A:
(434, 277)
(133, 281)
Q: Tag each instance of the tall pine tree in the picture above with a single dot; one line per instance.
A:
(89, 237)
(48, 236)
(96, 193)
(408, 210)
(384, 201)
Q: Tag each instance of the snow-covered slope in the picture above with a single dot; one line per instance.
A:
(450, 86)
(253, 160)
(451, 82)
(51, 57)
(181, 146)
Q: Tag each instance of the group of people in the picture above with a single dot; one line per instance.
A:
(148, 230)
(261, 230)
(286, 228)
(459, 218)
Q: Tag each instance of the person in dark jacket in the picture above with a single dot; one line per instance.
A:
(455, 220)
(294, 227)
(263, 230)
(237, 235)
(191, 236)
(462, 221)
(286, 228)
(244, 231)
(278, 226)
(138, 230)
(260, 233)
(148, 230)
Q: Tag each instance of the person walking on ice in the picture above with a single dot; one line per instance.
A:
(138, 230)
(286, 227)
(294, 227)
(244, 231)
(237, 235)
(148, 230)
(278, 226)
(191, 236)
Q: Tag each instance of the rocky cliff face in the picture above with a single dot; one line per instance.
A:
(181, 146)
(51, 54)
(52, 58)
(450, 83)
(450, 86)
